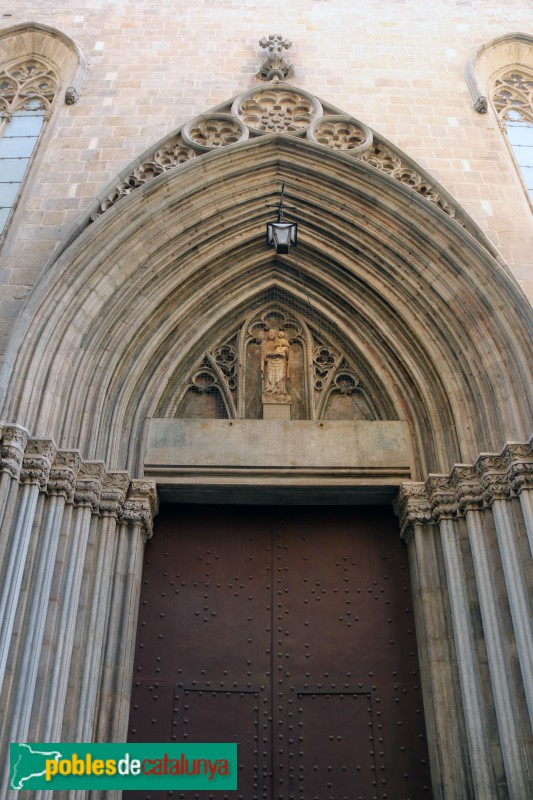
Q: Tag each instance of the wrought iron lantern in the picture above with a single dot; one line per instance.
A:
(281, 234)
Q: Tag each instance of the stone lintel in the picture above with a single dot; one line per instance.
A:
(221, 454)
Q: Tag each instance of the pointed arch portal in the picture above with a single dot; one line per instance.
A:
(395, 298)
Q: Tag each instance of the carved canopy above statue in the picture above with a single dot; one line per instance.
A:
(276, 356)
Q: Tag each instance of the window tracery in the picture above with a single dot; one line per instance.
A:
(228, 381)
(28, 88)
(512, 98)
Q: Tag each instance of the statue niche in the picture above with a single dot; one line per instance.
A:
(273, 365)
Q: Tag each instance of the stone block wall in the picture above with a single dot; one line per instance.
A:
(398, 66)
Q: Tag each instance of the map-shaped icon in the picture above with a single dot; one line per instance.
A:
(27, 762)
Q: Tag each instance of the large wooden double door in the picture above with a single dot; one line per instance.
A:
(290, 631)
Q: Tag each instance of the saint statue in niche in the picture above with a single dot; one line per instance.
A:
(275, 366)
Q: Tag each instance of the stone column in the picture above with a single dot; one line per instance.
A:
(444, 509)
(48, 707)
(492, 471)
(443, 709)
(13, 441)
(470, 502)
(27, 645)
(79, 724)
(135, 526)
(36, 465)
(520, 474)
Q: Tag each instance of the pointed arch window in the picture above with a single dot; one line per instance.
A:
(27, 91)
(513, 101)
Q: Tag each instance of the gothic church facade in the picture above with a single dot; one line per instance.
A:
(261, 489)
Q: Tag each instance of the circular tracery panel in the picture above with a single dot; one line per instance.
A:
(214, 130)
(277, 110)
(341, 133)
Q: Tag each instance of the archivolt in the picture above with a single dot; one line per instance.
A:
(167, 270)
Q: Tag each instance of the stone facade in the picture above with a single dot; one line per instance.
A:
(134, 268)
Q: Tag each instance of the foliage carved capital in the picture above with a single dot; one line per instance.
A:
(443, 501)
(141, 506)
(37, 462)
(89, 485)
(520, 465)
(62, 480)
(412, 507)
(13, 444)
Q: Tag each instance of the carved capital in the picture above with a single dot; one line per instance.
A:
(442, 497)
(467, 486)
(520, 465)
(62, 480)
(141, 506)
(13, 445)
(113, 495)
(89, 484)
(492, 472)
(37, 462)
(412, 507)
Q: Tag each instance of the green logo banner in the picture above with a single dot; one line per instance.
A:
(123, 766)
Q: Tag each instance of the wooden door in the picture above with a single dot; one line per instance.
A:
(290, 631)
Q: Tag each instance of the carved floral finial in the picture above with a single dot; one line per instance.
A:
(275, 65)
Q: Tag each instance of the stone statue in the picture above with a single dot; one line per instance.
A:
(275, 366)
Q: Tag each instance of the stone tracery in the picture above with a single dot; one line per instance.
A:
(274, 357)
(27, 81)
(282, 109)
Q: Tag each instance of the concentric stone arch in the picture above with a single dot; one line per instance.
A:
(442, 323)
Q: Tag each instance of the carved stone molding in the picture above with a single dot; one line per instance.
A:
(113, 495)
(278, 108)
(494, 476)
(169, 155)
(62, 480)
(37, 462)
(520, 465)
(141, 506)
(442, 497)
(13, 444)
(340, 132)
(467, 488)
(381, 157)
(89, 485)
(211, 131)
(283, 109)
(412, 507)
(492, 473)
(275, 65)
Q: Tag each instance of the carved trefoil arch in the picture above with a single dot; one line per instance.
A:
(324, 380)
